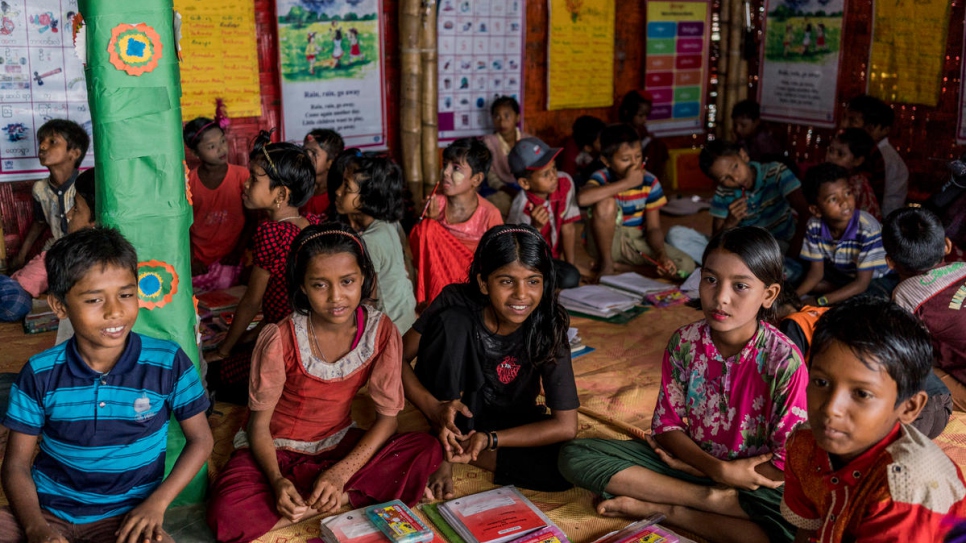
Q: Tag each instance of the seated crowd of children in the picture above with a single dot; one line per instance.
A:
(799, 407)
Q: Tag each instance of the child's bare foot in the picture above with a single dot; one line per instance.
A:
(440, 486)
(605, 268)
(625, 506)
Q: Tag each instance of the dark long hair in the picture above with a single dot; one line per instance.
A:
(545, 330)
(325, 239)
(286, 165)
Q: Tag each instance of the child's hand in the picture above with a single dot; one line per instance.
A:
(472, 446)
(667, 268)
(736, 211)
(444, 421)
(142, 524)
(742, 474)
(432, 211)
(288, 502)
(633, 176)
(672, 461)
(539, 216)
(46, 534)
(327, 491)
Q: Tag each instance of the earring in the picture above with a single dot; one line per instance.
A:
(278, 204)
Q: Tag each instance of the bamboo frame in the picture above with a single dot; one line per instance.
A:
(409, 108)
(430, 99)
(735, 88)
(723, 44)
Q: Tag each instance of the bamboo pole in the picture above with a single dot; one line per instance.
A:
(723, 26)
(734, 87)
(409, 114)
(430, 99)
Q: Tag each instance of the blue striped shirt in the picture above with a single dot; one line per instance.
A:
(859, 248)
(103, 436)
(768, 205)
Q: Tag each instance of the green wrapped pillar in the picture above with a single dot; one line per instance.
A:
(134, 89)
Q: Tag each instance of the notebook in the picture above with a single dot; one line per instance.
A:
(597, 300)
(355, 527)
(495, 516)
(634, 282)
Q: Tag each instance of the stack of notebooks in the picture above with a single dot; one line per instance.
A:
(616, 299)
(219, 301)
(501, 515)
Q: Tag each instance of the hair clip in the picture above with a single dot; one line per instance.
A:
(327, 232)
(269, 159)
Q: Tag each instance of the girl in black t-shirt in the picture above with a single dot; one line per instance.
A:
(486, 347)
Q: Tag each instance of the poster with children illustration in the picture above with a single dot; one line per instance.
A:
(677, 65)
(330, 61)
(40, 79)
(800, 60)
(480, 55)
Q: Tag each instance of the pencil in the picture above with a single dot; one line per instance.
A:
(656, 263)
(428, 200)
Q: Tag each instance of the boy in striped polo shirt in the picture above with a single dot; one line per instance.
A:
(843, 244)
(625, 201)
(102, 402)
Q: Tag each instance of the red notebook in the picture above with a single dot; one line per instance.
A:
(494, 516)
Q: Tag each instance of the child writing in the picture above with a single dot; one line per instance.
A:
(843, 244)
(371, 197)
(323, 146)
(489, 345)
(62, 146)
(754, 194)
(456, 217)
(282, 178)
(859, 471)
(850, 148)
(216, 234)
(732, 390)
(99, 406)
(501, 185)
(301, 454)
(915, 246)
(547, 202)
(18, 290)
(625, 201)
(634, 110)
(890, 176)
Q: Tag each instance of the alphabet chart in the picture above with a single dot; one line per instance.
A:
(40, 79)
(480, 52)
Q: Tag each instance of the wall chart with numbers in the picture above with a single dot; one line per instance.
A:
(40, 79)
(480, 48)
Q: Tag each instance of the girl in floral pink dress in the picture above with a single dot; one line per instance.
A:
(732, 391)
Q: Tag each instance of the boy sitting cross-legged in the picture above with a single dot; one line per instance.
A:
(859, 471)
(101, 403)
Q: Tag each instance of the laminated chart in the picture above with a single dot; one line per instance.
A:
(40, 79)
(580, 54)
(219, 58)
(677, 45)
(480, 58)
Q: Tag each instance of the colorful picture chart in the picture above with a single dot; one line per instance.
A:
(580, 54)
(330, 62)
(677, 65)
(220, 58)
(480, 58)
(905, 63)
(800, 62)
(40, 79)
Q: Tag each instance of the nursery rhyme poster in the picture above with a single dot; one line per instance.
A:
(40, 79)
(580, 54)
(800, 61)
(480, 58)
(330, 61)
(677, 60)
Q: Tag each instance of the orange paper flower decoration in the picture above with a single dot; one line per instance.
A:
(134, 49)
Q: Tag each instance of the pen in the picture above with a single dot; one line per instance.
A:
(656, 263)
(428, 200)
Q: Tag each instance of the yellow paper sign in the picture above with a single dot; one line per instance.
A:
(220, 58)
(580, 54)
(908, 50)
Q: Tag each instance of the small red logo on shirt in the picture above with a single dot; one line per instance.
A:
(536, 150)
(507, 370)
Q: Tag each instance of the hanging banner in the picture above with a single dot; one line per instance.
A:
(906, 63)
(219, 58)
(580, 54)
(40, 79)
(800, 61)
(677, 65)
(330, 62)
(480, 58)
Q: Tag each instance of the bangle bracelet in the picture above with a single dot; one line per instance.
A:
(489, 440)
(822, 301)
(494, 442)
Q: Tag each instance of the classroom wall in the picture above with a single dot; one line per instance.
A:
(924, 136)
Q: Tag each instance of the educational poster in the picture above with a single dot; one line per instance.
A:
(906, 63)
(677, 65)
(219, 58)
(580, 54)
(480, 52)
(330, 60)
(40, 79)
(800, 61)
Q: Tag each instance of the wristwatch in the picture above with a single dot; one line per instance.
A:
(822, 301)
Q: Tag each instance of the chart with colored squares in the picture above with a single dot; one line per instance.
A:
(40, 79)
(677, 45)
(480, 58)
